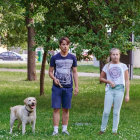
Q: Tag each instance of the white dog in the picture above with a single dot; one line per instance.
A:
(24, 114)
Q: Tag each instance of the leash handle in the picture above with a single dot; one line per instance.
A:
(60, 85)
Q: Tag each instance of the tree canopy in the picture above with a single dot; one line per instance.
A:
(12, 24)
(85, 22)
(90, 20)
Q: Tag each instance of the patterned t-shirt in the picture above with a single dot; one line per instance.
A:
(63, 68)
(115, 73)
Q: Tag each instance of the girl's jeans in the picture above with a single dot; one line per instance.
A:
(112, 96)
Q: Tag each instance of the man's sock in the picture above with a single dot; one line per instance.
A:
(64, 128)
(56, 129)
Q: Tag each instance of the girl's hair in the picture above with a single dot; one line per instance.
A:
(64, 38)
(114, 49)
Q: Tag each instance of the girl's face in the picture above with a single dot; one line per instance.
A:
(64, 47)
(115, 56)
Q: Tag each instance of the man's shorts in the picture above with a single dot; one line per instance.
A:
(61, 97)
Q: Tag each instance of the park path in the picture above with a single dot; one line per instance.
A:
(81, 74)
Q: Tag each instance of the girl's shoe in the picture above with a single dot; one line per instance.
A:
(101, 132)
(115, 133)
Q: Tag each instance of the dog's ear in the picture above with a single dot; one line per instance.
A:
(25, 101)
(35, 100)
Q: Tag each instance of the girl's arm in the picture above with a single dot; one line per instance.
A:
(103, 79)
(127, 85)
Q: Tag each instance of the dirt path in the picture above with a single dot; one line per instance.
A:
(82, 74)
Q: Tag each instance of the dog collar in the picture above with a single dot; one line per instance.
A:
(28, 111)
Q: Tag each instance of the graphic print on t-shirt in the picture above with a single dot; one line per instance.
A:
(63, 71)
(115, 73)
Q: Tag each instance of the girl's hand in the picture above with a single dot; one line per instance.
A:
(112, 84)
(126, 98)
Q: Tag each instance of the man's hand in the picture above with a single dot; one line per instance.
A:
(76, 91)
(56, 81)
(126, 98)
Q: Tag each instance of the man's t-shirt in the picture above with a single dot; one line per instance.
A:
(115, 73)
(63, 68)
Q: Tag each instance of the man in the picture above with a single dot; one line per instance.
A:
(62, 67)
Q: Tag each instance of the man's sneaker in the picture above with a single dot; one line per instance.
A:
(54, 133)
(65, 132)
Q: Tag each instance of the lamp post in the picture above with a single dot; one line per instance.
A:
(108, 30)
(131, 57)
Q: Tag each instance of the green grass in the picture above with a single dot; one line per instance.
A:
(87, 109)
(89, 68)
(19, 65)
(136, 71)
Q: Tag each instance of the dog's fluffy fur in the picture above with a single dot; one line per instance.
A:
(24, 114)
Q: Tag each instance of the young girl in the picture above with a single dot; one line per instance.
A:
(116, 77)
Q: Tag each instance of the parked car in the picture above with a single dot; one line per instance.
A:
(10, 56)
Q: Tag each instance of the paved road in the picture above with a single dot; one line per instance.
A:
(82, 74)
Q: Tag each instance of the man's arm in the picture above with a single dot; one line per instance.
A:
(56, 81)
(75, 77)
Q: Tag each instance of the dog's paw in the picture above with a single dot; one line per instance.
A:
(10, 132)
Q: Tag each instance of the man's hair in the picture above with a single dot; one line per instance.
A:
(64, 38)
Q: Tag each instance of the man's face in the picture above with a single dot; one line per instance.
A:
(64, 47)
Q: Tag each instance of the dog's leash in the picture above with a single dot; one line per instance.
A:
(60, 85)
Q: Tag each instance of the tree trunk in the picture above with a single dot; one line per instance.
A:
(31, 66)
(101, 65)
(42, 73)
